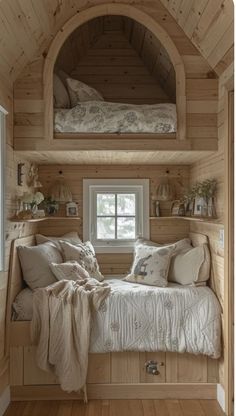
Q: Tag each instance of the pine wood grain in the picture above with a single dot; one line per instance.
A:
(116, 408)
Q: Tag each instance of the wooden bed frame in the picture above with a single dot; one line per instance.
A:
(111, 375)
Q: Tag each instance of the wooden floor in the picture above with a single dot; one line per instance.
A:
(116, 408)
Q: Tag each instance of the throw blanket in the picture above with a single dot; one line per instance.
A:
(61, 328)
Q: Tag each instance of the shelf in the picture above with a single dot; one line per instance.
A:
(199, 219)
(32, 220)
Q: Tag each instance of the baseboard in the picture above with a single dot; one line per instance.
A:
(119, 391)
(4, 400)
(221, 396)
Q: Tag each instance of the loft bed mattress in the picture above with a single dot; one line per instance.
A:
(137, 317)
(107, 117)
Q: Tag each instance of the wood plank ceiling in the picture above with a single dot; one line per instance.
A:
(28, 26)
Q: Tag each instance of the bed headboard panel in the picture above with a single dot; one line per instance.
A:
(15, 281)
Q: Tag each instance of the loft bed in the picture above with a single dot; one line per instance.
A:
(110, 88)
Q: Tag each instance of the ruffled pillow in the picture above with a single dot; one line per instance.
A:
(84, 254)
(79, 91)
(70, 270)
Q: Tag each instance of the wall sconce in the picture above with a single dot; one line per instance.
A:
(60, 191)
(20, 174)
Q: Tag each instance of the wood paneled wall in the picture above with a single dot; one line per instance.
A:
(161, 230)
(13, 230)
(201, 90)
(214, 167)
(122, 59)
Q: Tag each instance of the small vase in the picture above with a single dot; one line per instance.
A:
(211, 208)
(34, 210)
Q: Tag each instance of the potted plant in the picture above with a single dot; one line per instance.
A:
(50, 205)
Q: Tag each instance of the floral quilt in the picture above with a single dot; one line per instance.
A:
(107, 117)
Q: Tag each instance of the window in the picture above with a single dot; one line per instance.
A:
(2, 190)
(115, 213)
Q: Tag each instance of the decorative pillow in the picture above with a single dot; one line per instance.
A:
(70, 270)
(79, 91)
(151, 265)
(35, 263)
(84, 254)
(179, 245)
(22, 306)
(190, 266)
(146, 242)
(71, 237)
(60, 95)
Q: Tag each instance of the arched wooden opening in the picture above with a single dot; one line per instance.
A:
(135, 14)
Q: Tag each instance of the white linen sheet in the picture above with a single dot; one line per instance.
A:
(145, 318)
(107, 117)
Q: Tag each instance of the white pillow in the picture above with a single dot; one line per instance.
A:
(151, 265)
(84, 254)
(60, 95)
(190, 266)
(71, 237)
(70, 270)
(22, 306)
(35, 263)
(79, 91)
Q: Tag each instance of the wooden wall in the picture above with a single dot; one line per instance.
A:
(120, 58)
(161, 230)
(201, 90)
(13, 230)
(214, 167)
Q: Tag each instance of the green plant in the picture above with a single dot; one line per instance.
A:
(205, 190)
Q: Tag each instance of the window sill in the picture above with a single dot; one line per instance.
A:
(113, 249)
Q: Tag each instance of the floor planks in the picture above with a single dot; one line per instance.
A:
(116, 408)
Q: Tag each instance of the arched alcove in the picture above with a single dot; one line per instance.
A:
(129, 14)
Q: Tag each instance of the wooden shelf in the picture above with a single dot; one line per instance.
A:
(45, 219)
(199, 219)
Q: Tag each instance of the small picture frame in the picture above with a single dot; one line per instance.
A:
(72, 209)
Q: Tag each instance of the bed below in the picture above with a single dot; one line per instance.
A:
(108, 117)
(143, 318)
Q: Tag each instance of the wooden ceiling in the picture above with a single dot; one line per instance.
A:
(120, 41)
(28, 26)
(209, 24)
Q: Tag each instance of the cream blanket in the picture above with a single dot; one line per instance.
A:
(60, 328)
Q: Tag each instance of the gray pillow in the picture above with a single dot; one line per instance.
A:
(60, 94)
(35, 263)
(22, 306)
(71, 237)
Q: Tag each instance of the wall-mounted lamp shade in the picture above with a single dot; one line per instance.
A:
(165, 191)
(60, 191)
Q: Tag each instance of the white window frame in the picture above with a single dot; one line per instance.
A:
(3, 114)
(90, 189)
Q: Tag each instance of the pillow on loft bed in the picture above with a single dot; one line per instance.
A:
(190, 266)
(22, 307)
(84, 254)
(35, 264)
(61, 97)
(79, 91)
(151, 265)
(71, 270)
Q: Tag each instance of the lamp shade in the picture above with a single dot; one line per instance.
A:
(60, 191)
(165, 191)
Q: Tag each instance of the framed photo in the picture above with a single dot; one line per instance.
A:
(177, 208)
(72, 209)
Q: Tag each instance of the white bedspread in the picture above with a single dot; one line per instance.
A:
(143, 318)
(107, 117)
